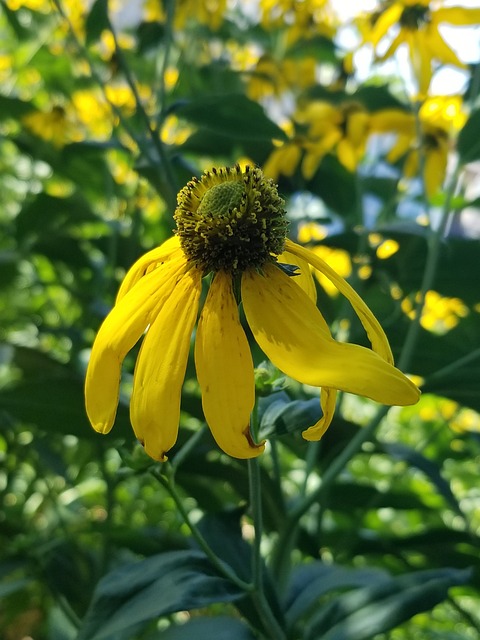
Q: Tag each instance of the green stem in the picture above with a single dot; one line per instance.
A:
(446, 371)
(171, 194)
(270, 622)
(167, 481)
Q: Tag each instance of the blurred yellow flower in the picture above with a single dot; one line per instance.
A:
(304, 18)
(208, 12)
(56, 126)
(416, 23)
(273, 77)
(93, 112)
(440, 314)
(338, 259)
(342, 130)
(231, 224)
(440, 119)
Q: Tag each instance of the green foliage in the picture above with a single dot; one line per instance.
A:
(373, 532)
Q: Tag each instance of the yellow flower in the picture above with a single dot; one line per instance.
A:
(342, 130)
(55, 126)
(440, 118)
(231, 225)
(304, 18)
(418, 24)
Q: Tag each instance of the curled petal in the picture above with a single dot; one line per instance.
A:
(286, 325)
(142, 266)
(161, 365)
(225, 371)
(374, 331)
(303, 277)
(121, 329)
(328, 400)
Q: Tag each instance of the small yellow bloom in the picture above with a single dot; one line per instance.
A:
(55, 126)
(230, 223)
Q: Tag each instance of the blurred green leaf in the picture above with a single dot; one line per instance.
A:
(232, 115)
(366, 612)
(131, 594)
(468, 143)
(206, 628)
(97, 20)
(312, 581)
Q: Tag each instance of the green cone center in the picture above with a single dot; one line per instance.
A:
(231, 219)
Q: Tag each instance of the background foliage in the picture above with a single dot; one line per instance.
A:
(106, 110)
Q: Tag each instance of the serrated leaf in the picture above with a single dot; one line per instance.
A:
(130, 594)
(468, 143)
(233, 115)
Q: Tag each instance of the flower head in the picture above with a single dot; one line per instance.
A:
(417, 25)
(230, 223)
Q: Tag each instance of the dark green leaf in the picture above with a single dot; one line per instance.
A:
(97, 20)
(363, 613)
(468, 143)
(430, 468)
(312, 581)
(157, 586)
(207, 629)
(233, 115)
(14, 108)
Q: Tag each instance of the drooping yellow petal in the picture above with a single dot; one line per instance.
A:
(328, 400)
(347, 155)
(303, 277)
(286, 325)
(140, 267)
(121, 329)
(161, 364)
(396, 42)
(374, 331)
(421, 58)
(434, 171)
(225, 371)
(459, 16)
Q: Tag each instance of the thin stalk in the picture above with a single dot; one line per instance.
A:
(167, 481)
(153, 133)
(255, 488)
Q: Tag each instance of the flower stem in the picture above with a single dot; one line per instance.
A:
(269, 620)
(167, 480)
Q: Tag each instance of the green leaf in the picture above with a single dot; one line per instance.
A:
(233, 115)
(50, 395)
(97, 20)
(48, 213)
(468, 144)
(283, 415)
(312, 581)
(14, 108)
(335, 185)
(430, 468)
(363, 613)
(146, 590)
(206, 629)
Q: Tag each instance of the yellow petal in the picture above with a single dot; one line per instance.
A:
(374, 331)
(121, 329)
(435, 168)
(160, 369)
(140, 267)
(396, 42)
(386, 20)
(458, 16)
(346, 155)
(303, 277)
(440, 49)
(286, 326)
(328, 400)
(225, 371)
